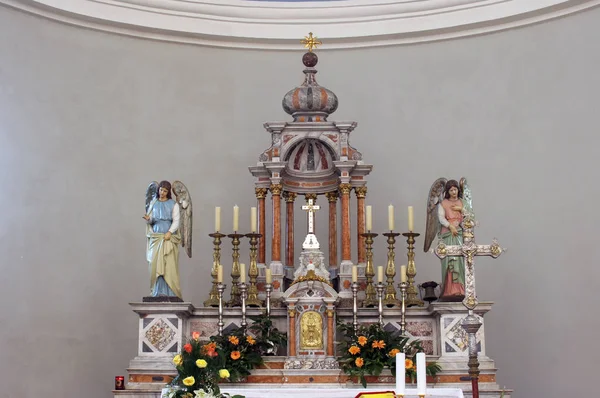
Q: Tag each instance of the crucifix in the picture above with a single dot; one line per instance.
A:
(469, 249)
(311, 240)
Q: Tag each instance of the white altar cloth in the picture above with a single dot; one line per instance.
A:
(333, 392)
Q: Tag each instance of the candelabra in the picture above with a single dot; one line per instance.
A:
(213, 299)
(380, 289)
(253, 300)
(370, 294)
(268, 290)
(235, 270)
(412, 297)
(220, 290)
(355, 307)
(403, 286)
(243, 294)
(390, 299)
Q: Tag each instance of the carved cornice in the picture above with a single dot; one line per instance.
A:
(280, 25)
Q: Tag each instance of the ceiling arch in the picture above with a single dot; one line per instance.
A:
(279, 25)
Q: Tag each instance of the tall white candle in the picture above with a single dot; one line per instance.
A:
(369, 218)
(391, 217)
(421, 374)
(253, 219)
(236, 218)
(411, 219)
(400, 373)
(354, 273)
(268, 275)
(220, 273)
(403, 277)
(380, 273)
(242, 273)
(217, 219)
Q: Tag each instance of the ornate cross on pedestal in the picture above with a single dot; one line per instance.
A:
(469, 249)
(311, 240)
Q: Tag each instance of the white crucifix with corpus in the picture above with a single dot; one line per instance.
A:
(311, 242)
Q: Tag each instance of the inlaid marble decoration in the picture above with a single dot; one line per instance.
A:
(205, 328)
(159, 335)
(422, 330)
(455, 338)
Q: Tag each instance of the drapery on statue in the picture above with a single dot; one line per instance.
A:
(447, 204)
(169, 223)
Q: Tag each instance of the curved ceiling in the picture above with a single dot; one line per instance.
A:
(267, 24)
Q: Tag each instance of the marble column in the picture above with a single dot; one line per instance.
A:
(292, 330)
(289, 197)
(333, 260)
(345, 193)
(276, 240)
(330, 332)
(361, 193)
(261, 194)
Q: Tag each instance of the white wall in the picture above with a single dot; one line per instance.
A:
(88, 119)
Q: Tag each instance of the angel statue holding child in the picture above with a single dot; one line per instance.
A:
(168, 224)
(448, 203)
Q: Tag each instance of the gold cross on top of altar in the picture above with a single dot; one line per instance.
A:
(310, 42)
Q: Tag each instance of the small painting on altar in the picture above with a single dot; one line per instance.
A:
(311, 331)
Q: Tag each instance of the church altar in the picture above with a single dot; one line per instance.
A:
(306, 295)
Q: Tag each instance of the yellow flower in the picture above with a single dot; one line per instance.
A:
(223, 374)
(362, 340)
(354, 350)
(177, 360)
(201, 363)
(393, 353)
(189, 381)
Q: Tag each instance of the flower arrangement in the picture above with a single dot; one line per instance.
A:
(269, 338)
(372, 349)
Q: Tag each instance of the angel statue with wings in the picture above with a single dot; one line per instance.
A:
(448, 203)
(168, 223)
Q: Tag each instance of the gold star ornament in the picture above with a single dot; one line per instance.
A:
(311, 42)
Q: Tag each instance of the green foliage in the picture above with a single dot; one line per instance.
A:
(268, 336)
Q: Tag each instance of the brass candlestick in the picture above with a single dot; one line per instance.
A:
(390, 299)
(370, 294)
(235, 271)
(213, 300)
(412, 298)
(355, 307)
(220, 290)
(380, 289)
(403, 286)
(253, 300)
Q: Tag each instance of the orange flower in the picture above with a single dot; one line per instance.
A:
(210, 349)
(378, 344)
(234, 340)
(235, 355)
(393, 353)
(354, 350)
(250, 340)
(196, 335)
(188, 348)
(359, 362)
(408, 363)
(362, 340)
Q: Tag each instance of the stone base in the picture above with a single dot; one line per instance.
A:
(316, 363)
(161, 299)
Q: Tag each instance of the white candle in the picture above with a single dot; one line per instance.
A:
(354, 273)
(380, 273)
(253, 219)
(217, 219)
(391, 217)
(421, 374)
(403, 277)
(236, 218)
(369, 218)
(242, 273)
(400, 373)
(268, 276)
(411, 219)
(220, 273)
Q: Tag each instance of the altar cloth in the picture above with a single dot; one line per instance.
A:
(302, 392)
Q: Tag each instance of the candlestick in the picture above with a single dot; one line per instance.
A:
(253, 219)
(411, 219)
(421, 374)
(253, 300)
(236, 218)
(391, 217)
(390, 271)
(403, 286)
(220, 324)
(369, 218)
(354, 273)
(355, 307)
(412, 297)
(380, 289)
(217, 219)
(243, 293)
(380, 274)
(400, 373)
(235, 271)
(242, 273)
(268, 275)
(213, 299)
(370, 294)
(268, 289)
(403, 273)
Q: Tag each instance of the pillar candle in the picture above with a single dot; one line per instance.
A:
(268, 276)
(217, 219)
(421, 374)
(220, 273)
(236, 218)
(242, 273)
(403, 277)
(400, 373)
(354, 273)
(253, 219)
(369, 218)
(391, 217)
(380, 273)
(411, 219)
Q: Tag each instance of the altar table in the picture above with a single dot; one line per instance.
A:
(302, 392)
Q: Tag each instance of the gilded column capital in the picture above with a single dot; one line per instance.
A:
(345, 188)
(332, 197)
(261, 193)
(290, 197)
(292, 312)
(312, 196)
(330, 313)
(276, 189)
(361, 192)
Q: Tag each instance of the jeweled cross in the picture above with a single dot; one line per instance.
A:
(311, 208)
